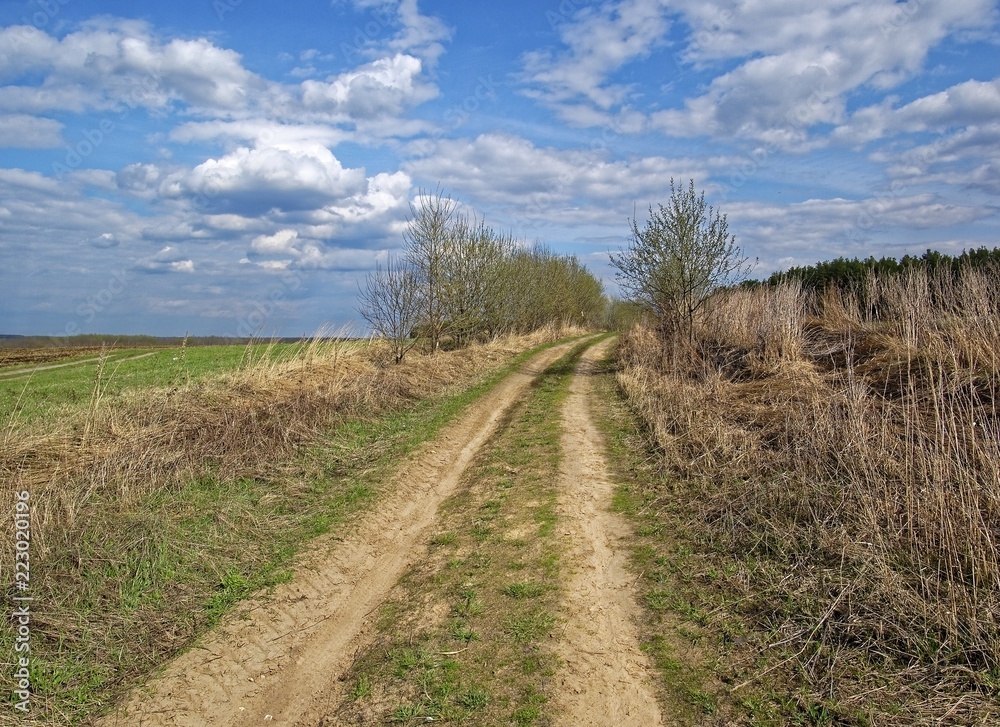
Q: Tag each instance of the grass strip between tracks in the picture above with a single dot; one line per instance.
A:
(463, 636)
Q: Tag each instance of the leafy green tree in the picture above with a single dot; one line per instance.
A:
(543, 287)
(621, 315)
(680, 256)
(473, 279)
(852, 273)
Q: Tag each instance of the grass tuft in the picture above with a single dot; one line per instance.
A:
(527, 589)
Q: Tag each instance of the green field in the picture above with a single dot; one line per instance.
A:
(37, 394)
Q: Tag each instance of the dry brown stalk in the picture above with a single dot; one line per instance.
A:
(854, 441)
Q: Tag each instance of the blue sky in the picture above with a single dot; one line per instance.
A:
(226, 167)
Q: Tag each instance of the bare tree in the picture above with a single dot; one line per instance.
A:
(428, 241)
(682, 255)
(392, 303)
(462, 280)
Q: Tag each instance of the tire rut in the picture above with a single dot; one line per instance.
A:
(606, 678)
(280, 658)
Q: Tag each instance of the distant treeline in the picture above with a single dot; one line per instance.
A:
(850, 273)
(96, 340)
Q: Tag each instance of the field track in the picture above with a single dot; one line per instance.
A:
(282, 658)
(605, 679)
(33, 369)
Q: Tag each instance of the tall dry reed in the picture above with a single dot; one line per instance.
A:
(852, 440)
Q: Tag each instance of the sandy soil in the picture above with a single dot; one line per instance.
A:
(606, 678)
(279, 659)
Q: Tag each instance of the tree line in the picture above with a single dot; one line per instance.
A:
(684, 253)
(852, 273)
(458, 280)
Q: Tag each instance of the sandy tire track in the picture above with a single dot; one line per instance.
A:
(605, 679)
(279, 659)
(49, 367)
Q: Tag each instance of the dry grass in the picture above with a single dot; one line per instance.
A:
(238, 424)
(152, 513)
(845, 453)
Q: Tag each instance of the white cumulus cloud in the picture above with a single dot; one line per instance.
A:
(965, 104)
(280, 243)
(541, 182)
(254, 181)
(797, 64)
(382, 87)
(119, 64)
(599, 40)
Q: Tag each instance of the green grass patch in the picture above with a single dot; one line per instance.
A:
(31, 397)
(526, 589)
(482, 659)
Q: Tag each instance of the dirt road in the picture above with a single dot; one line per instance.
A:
(605, 679)
(281, 659)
